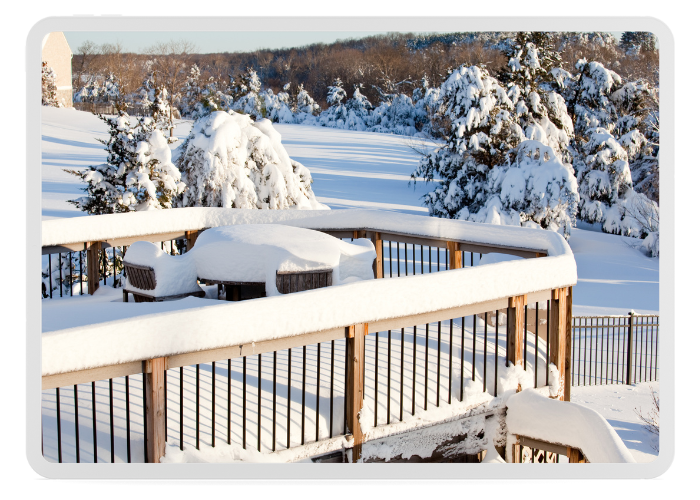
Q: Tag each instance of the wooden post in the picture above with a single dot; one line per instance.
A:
(558, 336)
(191, 238)
(575, 456)
(378, 266)
(567, 356)
(516, 328)
(455, 255)
(355, 336)
(154, 372)
(93, 265)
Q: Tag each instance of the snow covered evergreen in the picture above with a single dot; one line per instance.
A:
(307, 109)
(48, 86)
(337, 114)
(230, 161)
(139, 173)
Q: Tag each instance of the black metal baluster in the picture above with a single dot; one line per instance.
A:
(388, 378)
(421, 259)
(391, 269)
(114, 269)
(111, 419)
(182, 410)
(80, 263)
(145, 420)
(449, 377)
(607, 352)
(573, 349)
(196, 406)
(289, 395)
(274, 401)
(486, 337)
(60, 276)
(104, 267)
(474, 349)
(94, 425)
(401, 384)
(585, 347)
(330, 430)
(495, 362)
(525, 342)
(595, 378)
(259, 398)
(427, 339)
(70, 272)
(537, 338)
(128, 422)
(50, 283)
(430, 259)
(303, 394)
(405, 258)
(245, 403)
(579, 338)
(439, 355)
(318, 386)
(413, 397)
(413, 254)
(213, 404)
(77, 434)
(376, 374)
(461, 373)
(58, 424)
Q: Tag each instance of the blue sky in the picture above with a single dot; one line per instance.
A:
(216, 41)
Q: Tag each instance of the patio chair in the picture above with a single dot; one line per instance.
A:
(144, 278)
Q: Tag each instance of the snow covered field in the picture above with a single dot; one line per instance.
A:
(350, 169)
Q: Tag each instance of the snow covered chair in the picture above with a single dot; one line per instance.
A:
(153, 275)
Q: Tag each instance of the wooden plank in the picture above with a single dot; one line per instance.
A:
(378, 265)
(237, 351)
(90, 375)
(355, 384)
(543, 445)
(338, 233)
(93, 266)
(68, 247)
(567, 356)
(431, 317)
(155, 409)
(516, 329)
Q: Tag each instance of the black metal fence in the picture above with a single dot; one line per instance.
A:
(615, 349)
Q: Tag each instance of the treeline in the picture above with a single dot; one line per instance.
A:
(374, 62)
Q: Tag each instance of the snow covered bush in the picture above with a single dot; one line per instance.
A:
(396, 115)
(533, 186)
(277, 106)
(359, 109)
(248, 89)
(139, 173)
(48, 86)
(230, 161)
(307, 108)
(336, 114)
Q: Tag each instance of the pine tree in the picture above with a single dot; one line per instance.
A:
(307, 108)
(138, 175)
(244, 93)
(359, 109)
(482, 132)
(337, 113)
(634, 42)
(48, 86)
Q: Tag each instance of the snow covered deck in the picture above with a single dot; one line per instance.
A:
(169, 337)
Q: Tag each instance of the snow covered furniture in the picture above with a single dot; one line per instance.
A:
(155, 276)
(278, 259)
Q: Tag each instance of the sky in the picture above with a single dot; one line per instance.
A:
(216, 41)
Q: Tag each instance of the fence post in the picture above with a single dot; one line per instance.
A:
(93, 265)
(560, 338)
(378, 266)
(629, 348)
(516, 327)
(455, 255)
(355, 338)
(154, 375)
(191, 237)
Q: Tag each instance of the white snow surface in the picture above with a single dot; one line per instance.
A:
(533, 415)
(255, 252)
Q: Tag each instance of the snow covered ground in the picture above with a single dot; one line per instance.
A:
(366, 170)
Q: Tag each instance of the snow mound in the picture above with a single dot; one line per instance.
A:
(175, 274)
(533, 415)
(255, 252)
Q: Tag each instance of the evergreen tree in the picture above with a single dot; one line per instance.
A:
(634, 42)
(359, 109)
(230, 161)
(244, 93)
(48, 86)
(337, 113)
(307, 108)
(138, 175)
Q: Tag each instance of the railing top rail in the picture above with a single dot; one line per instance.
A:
(120, 228)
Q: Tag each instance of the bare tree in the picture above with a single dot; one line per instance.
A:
(171, 64)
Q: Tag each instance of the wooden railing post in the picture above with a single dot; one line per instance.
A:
(630, 326)
(378, 266)
(93, 265)
(568, 363)
(516, 328)
(559, 338)
(154, 373)
(191, 237)
(455, 255)
(355, 338)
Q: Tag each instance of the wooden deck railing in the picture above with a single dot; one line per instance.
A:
(355, 338)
